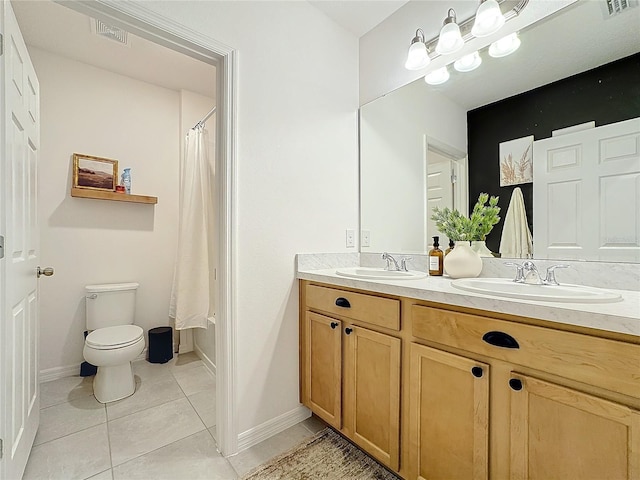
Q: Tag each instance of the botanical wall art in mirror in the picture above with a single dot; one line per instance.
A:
(423, 146)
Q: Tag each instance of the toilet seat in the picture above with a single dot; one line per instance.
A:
(110, 338)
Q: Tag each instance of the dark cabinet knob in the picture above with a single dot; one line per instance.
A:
(342, 302)
(334, 325)
(477, 372)
(515, 384)
(348, 330)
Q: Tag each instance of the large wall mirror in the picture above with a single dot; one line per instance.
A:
(423, 145)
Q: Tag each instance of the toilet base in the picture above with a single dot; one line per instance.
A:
(114, 383)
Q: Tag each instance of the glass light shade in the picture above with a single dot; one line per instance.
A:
(437, 77)
(468, 62)
(450, 40)
(505, 46)
(418, 57)
(489, 19)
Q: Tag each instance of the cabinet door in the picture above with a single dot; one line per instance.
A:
(560, 433)
(449, 415)
(323, 376)
(372, 394)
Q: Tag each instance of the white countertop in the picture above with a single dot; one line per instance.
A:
(622, 316)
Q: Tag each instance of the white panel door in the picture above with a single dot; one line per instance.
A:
(586, 194)
(439, 193)
(19, 395)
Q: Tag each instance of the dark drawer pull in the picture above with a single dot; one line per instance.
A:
(334, 325)
(342, 302)
(500, 339)
(348, 330)
(477, 372)
(515, 384)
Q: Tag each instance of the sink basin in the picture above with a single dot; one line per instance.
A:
(503, 287)
(379, 274)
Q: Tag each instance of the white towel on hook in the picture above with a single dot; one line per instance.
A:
(516, 241)
(191, 296)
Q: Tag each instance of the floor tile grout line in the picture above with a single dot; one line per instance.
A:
(156, 449)
(72, 433)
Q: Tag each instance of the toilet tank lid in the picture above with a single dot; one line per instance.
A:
(111, 287)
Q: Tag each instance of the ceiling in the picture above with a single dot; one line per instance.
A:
(60, 30)
(358, 16)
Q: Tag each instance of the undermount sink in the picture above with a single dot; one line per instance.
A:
(379, 273)
(503, 287)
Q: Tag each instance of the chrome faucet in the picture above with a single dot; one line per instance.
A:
(528, 273)
(390, 262)
(403, 263)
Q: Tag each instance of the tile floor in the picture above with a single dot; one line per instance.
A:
(164, 431)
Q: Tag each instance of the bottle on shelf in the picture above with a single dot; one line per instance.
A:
(125, 180)
(436, 258)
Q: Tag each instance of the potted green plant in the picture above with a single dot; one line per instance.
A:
(464, 230)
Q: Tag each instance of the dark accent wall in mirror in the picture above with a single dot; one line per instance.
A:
(607, 94)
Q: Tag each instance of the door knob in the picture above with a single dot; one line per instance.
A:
(47, 272)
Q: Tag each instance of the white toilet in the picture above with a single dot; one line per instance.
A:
(113, 341)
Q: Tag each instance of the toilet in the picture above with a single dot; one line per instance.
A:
(113, 341)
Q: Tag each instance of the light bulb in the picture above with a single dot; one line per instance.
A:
(489, 19)
(468, 62)
(450, 39)
(505, 46)
(437, 77)
(418, 57)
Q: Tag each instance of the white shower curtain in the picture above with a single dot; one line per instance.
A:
(191, 295)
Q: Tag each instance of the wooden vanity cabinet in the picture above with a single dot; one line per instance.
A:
(350, 371)
(440, 392)
(541, 422)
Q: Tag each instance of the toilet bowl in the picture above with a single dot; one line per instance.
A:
(112, 349)
(113, 342)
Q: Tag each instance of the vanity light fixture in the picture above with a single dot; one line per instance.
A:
(418, 56)
(489, 19)
(450, 40)
(468, 62)
(437, 77)
(505, 46)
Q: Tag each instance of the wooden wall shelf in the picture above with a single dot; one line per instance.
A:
(117, 197)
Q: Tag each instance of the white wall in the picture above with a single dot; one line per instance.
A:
(91, 111)
(393, 132)
(297, 174)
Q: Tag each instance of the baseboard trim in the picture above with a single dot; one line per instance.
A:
(268, 429)
(208, 363)
(57, 373)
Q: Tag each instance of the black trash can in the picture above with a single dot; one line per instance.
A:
(160, 343)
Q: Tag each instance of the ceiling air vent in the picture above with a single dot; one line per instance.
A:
(614, 7)
(114, 34)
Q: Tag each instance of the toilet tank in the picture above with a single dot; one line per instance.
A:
(109, 305)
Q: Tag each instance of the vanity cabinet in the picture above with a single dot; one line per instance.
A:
(350, 371)
(435, 391)
(542, 423)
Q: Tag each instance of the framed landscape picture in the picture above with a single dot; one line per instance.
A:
(94, 173)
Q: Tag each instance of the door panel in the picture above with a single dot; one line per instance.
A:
(560, 433)
(586, 194)
(324, 368)
(372, 398)
(449, 415)
(19, 397)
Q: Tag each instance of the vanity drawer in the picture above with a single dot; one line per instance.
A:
(383, 312)
(605, 363)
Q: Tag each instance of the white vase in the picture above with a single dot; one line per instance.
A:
(480, 247)
(462, 262)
